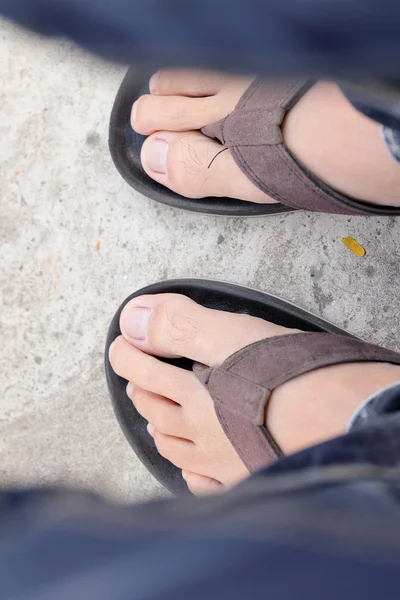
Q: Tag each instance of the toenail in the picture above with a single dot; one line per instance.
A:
(129, 390)
(134, 112)
(153, 83)
(185, 475)
(150, 429)
(134, 322)
(156, 156)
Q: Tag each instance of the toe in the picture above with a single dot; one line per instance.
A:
(149, 373)
(182, 100)
(162, 413)
(186, 82)
(200, 485)
(181, 453)
(195, 166)
(180, 162)
(174, 113)
(173, 325)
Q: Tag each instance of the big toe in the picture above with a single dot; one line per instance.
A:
(195, 166)
(173, 325)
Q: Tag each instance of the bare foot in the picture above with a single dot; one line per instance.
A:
(335, 142)
(307, 410)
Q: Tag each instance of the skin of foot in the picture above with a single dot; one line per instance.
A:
(307, 410)
(334, 141)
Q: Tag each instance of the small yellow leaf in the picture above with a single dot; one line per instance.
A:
(354, 246)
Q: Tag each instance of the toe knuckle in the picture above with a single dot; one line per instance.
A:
(180, 111)
(164, 420)
(160, 421)
(173, 322)
(146, 373)
(187, 167)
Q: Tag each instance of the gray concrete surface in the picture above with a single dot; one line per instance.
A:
(60, 196)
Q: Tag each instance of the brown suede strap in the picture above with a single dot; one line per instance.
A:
(242, 385)
(253, 134)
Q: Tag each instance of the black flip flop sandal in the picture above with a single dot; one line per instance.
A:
(125, 147)
(251, 373)
(253, 134)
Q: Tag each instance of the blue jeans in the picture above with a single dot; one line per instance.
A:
(331, 38)
(323, 523)
(391, 137)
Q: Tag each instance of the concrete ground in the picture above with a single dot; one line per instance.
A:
(76, 240)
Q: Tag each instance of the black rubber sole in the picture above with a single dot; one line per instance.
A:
(125, 147)
(212, 294)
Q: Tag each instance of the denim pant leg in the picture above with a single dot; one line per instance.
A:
(324, 523)
(327, 39)
(391, 137)
(382, 104)
(284, 37)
